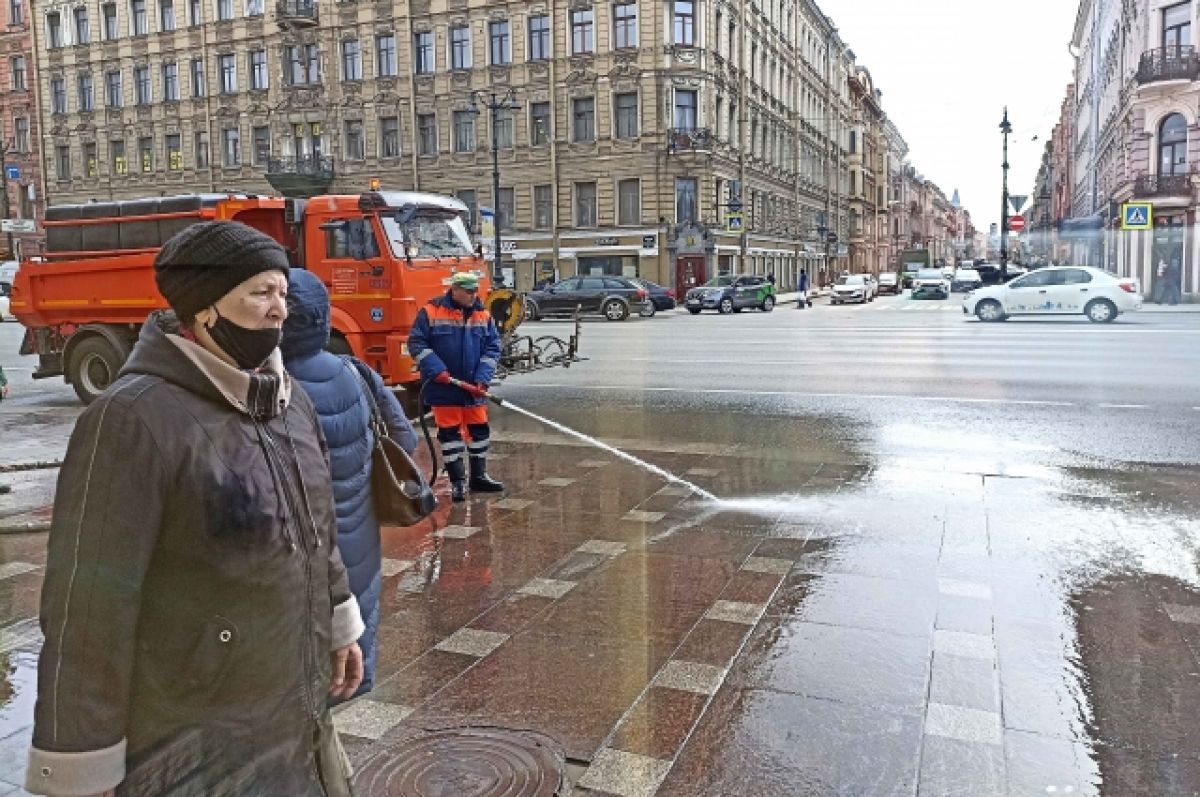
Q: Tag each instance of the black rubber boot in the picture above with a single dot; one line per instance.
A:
(480, 481)
(457, 472)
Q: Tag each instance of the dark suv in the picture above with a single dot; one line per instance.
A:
(612, 297)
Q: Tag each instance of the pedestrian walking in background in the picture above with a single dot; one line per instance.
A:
(454, 337)
(195, 608)
(1174, 283)
(771, 279)
(336, 387)
(802, 289)
(1160, 282)
(3, 385)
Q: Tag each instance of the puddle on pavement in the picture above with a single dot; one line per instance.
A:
(18, 691)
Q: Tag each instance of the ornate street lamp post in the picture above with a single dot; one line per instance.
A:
(1005, 128)
(495, 104)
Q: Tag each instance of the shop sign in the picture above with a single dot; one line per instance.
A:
(607, 241)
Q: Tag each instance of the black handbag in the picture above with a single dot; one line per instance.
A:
(401, 495)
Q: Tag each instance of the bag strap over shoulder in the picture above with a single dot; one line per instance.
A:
(377, 424)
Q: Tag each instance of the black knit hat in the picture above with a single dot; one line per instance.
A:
(207, 260)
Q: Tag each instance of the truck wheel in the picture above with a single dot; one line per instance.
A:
(338, 345)
(94, 366)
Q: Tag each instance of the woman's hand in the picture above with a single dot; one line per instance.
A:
(347, 671)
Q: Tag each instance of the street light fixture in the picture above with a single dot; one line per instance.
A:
(495, 104)
(1005, 128)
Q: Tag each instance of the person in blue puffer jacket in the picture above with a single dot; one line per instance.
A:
(333, 384)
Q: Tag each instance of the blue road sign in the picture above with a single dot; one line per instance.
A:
(1136, 215)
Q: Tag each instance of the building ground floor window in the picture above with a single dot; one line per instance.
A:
(1167, 259)
(608, 265)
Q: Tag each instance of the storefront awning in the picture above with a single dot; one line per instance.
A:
(1083, 224)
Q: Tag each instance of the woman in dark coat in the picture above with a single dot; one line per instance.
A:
(196, 611)
(336, 389)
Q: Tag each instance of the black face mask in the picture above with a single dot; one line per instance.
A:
(249, 348)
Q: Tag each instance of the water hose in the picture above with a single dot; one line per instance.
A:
(425, 424)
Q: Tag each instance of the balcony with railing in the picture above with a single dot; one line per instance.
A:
(1180, 62)
(1154, 185)
(301, 177)
(684, 139)
(297, 13)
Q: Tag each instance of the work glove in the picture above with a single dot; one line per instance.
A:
(443, 378)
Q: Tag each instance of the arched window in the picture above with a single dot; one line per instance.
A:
(1172, 146)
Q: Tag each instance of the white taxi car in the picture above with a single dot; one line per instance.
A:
(1058, 290)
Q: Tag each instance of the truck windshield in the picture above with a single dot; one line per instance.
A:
(430, 233)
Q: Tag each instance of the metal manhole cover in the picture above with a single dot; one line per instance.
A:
(465, 762)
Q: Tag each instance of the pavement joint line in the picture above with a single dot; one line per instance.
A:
(367, 718)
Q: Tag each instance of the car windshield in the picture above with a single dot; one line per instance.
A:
(427, 233)
(887, 278)
(966, 274)
(851, 280)
(719, 282)
(929, 274)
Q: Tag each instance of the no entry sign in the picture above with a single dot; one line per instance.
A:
(1016, 223)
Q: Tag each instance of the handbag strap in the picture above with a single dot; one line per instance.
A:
(377, 424)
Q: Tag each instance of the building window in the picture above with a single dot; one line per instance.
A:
(583, 31)
(1172, 146)
(201, 150)
(87, 100)
(146, 153)
(91, 162)
(684, 12)
(174, 152)
(141, 85)
(21, 134)
(460, 47)
(506, 209)
(539, 38)
(303, 64)
(626, 111)
(254, 8)
(58, 95)
(584, 112)
(353, 148)
(166, 15)
(625, 25)
(1176, 27)
(718, 117)
(685, 109)
(16, 13)
(467, 197)
(389, 137)
(543, 207)
(351, 60)
(685, 200)
(227, 65)
(232, 148)
(83, 31)
(385, 56)
(585, 204)
(17, 66)
(108, 13)
(464, 131)
(62, 161)
(499, 43)
(258, 69)
(629, 202)
(260, 138)
(170, 81)
(196, 12)
(312, 63)
(224, 9)
(539, 123)
(423, 53)
(137, 13)
(113, 97)
(198, 84)
(504, 130)
(116, 151)
(426, 134)
(853, 142)
(54, 37)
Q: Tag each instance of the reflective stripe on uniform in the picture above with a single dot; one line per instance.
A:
(488, 361)
(424, 354)
(478, 448)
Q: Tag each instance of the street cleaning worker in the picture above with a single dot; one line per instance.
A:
(454, 338)
(196, 611)
(336, 386)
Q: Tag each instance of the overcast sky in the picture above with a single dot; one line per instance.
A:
(947, 69)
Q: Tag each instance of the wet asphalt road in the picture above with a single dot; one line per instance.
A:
(956, 558)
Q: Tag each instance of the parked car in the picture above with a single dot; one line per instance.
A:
(1057, 290)
(8, 275)
(851, 288)
(4, 308)
(966, 280)
(732, 294)
(931, 282)
(615, 298)
(660, 298)
(889, 282)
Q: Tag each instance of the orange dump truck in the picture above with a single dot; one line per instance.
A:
(381, 254)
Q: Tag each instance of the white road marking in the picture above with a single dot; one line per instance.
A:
(1124, 406)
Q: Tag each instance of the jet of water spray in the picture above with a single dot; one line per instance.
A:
(641, 463)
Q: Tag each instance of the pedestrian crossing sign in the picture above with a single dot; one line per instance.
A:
(733, 222)
(1136, 216)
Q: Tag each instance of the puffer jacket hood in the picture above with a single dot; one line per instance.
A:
(306, 330)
